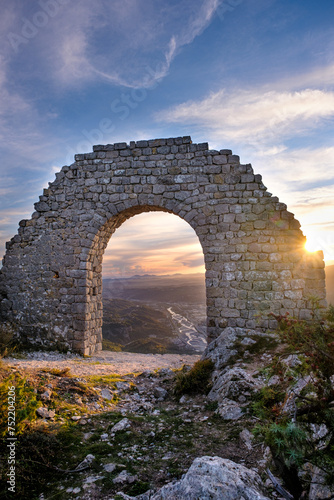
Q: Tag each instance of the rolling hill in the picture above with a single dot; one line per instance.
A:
(175, 288)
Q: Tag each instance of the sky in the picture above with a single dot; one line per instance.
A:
(254, 76)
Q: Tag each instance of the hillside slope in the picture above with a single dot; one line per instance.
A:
(135, 326)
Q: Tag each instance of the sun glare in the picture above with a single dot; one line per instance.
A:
(312, 244)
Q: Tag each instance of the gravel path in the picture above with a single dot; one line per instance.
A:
(103, 363)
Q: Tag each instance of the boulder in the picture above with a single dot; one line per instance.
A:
(214, 478)
(160, 393)
(233, 383)
(227, 345)
(121, 425)
(319, 490)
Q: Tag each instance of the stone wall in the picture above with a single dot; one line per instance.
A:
(51, 282)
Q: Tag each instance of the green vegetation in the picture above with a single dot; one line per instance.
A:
(107, 345)
(17, 393)
(293, 408)
(58, 372)
(195, 381)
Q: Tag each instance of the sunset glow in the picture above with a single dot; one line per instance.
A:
(153, 243)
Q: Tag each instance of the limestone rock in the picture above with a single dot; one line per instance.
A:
(246, 438)
(125, 478)
(46, 396)
(121, 425)
(109, 467)
(214, 478)
(318, 489)
(160, 393)
(221, 350)
(229, 410)
(106, 394)
(232, 383)
(320, 435)
(45, 413)
(87, 461)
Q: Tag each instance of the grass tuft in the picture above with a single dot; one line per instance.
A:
(197, 380)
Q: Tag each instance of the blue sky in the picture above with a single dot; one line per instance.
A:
(255, 76)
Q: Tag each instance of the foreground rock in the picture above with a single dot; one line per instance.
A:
(212, 478)
(232, 342)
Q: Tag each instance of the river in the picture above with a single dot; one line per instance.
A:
(188, 333)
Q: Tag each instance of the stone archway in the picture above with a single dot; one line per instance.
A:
(51, 282)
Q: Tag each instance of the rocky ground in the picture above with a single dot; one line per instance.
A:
(112, 427)
(104, 363)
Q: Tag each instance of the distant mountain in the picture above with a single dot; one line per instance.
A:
(177, 288)
(187, 288)
(330, 284)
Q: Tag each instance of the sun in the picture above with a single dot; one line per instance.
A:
(312, 243)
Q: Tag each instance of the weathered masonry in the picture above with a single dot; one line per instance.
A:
(51, 283)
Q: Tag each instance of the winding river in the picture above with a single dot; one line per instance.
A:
(188, 332)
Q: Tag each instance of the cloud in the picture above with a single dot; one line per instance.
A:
(155, 243)
(195, 26)
(254, 115)
(128, 43)
(319, 77)
(300, 170)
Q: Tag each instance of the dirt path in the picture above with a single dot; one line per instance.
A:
(103, 363)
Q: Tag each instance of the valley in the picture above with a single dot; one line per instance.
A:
(155, 314)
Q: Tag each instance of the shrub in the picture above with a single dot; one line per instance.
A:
(290, 410)
(195, 381)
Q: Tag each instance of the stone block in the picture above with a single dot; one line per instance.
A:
(219, 159)
(251, 262)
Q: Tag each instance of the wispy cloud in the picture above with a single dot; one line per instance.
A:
(193, 28)
(248, 115)
(126, 43)
(320, 77)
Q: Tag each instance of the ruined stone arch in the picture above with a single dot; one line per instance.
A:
(51, 282)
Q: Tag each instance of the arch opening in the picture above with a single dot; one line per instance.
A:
(153, 286)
